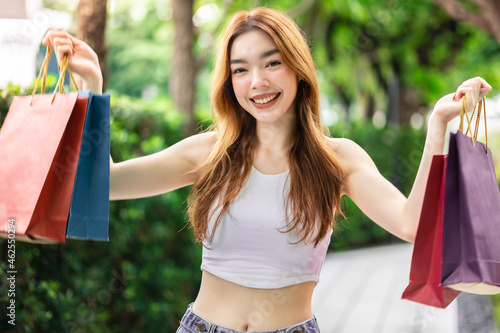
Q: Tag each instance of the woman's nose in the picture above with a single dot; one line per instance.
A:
(259, 79)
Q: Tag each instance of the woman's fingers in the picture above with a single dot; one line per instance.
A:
(48, 38)
(474, 90)
(485, 87)
(59, 41)
(63, 46)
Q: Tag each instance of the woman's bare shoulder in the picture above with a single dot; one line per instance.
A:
(206, 139)
(342, 147)
(199, 146)
(349, 152)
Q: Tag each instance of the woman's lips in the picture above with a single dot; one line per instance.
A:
(265, 101)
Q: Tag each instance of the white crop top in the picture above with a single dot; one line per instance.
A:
(248, 247)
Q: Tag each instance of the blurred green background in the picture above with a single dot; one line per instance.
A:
(382, 65)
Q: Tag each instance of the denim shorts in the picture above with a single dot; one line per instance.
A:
(193, 323)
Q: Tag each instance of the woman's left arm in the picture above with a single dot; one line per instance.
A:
(381, 201)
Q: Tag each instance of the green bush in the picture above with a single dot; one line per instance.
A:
(6, 96)
(496, 308)
(143, 278)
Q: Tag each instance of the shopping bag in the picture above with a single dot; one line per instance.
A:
(425, 273)
(39, 146)
(89, 211)
(471, 225)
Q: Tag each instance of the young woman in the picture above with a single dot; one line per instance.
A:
(267, 181)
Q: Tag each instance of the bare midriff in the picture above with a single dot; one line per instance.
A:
(249, 309)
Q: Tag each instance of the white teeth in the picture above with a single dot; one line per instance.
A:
(265, 100)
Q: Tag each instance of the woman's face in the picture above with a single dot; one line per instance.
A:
(263, 83)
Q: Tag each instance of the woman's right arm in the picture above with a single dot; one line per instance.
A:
(161, 172)
(144, 176)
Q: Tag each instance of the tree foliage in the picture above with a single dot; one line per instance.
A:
(397, 57)
(139, 36)
(482, 13)
(402, 54)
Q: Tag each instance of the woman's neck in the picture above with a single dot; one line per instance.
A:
(275, 137)
(273, 145)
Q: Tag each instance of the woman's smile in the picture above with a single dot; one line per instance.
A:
(265, 101)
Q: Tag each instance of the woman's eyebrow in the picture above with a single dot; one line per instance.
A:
(262, 56)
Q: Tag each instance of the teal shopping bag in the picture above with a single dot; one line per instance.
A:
(89, 211)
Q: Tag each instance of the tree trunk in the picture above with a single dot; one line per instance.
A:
(346, 102)
(182, 79)
(370, 107)
(403, 100)
(91, 18)
(393, 94)
(409, 103)
(486, 17)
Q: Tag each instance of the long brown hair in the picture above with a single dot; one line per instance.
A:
(316, 174)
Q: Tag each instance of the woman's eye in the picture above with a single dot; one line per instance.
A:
(238, 70)
(274, 63)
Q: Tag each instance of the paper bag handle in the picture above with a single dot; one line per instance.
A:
(42, 75)
(463, 112)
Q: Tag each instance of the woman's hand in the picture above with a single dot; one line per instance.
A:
(83, 60)
(448, 107)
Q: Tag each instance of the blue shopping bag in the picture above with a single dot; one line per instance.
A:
(89, 211)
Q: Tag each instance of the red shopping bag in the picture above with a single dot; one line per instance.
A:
(39, 146)
(425, 274)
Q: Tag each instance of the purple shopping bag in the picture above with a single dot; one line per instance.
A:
(471, 224)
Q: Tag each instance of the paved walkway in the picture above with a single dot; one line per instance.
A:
(360, 292)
